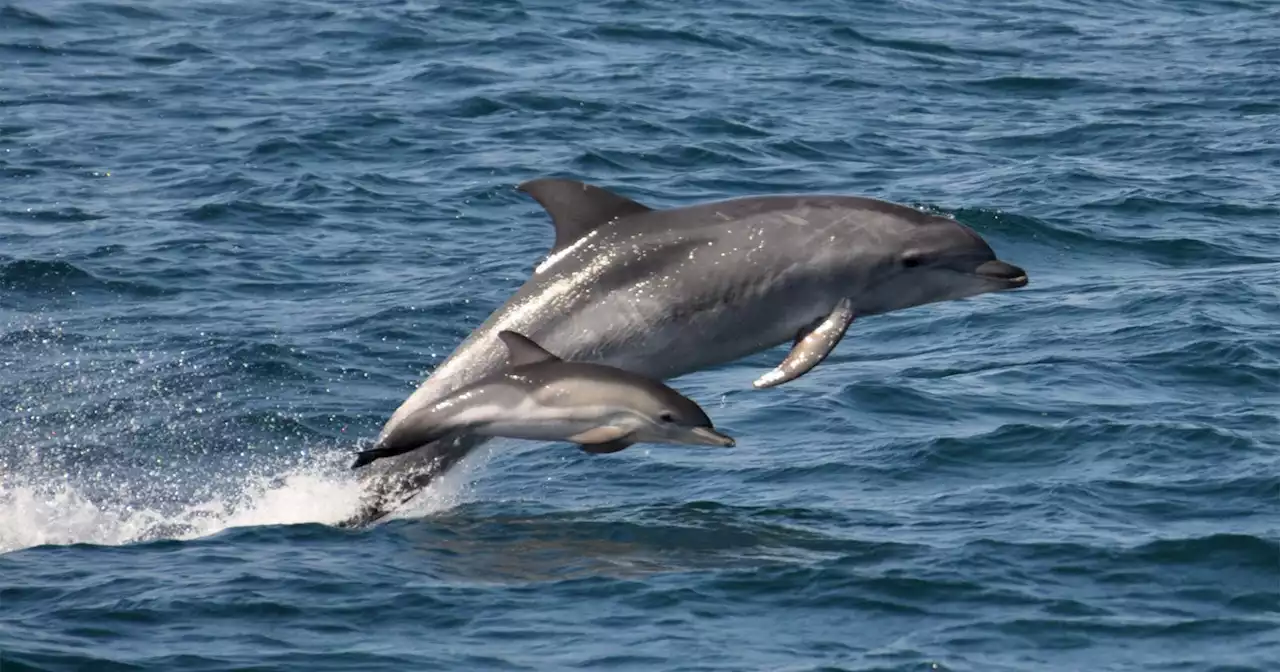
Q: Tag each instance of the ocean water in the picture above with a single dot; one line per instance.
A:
(234, 236)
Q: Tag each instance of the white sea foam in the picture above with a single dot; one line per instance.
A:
(44, 510)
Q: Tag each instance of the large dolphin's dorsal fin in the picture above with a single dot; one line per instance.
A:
(522, 350)
(577, 208)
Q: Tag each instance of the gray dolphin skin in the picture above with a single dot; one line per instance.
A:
(665, 292)
(542, 397)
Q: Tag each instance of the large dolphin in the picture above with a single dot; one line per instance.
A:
(667, 292)
(538, 395)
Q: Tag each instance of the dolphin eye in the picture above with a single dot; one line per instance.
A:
(667, 417)
(912, 259)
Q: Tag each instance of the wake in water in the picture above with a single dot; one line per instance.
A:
(108, 444)
(42, 510)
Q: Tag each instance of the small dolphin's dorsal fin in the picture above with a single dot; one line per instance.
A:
(522, 350)
(577, 208)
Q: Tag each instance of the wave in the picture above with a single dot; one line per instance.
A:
(62, 278)
(1171, 250)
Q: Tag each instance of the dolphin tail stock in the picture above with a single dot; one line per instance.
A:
(402, 477)
(383, 450)
(366, 456)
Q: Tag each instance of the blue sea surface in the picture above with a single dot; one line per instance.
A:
(235, 235)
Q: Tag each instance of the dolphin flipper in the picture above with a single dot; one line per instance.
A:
(812, 345)
(604, 448)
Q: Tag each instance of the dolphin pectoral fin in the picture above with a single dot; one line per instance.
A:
(601, 434)
(602, 440)
(812, 345)
(577, 208)
(604, 448)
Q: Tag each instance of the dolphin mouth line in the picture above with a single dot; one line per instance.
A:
(1008, 274)
(1011, 283)
(710, 437)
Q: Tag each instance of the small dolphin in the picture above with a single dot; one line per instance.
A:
(665, 292)
(542, 397)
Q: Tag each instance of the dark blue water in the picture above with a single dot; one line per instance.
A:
(235, 235)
